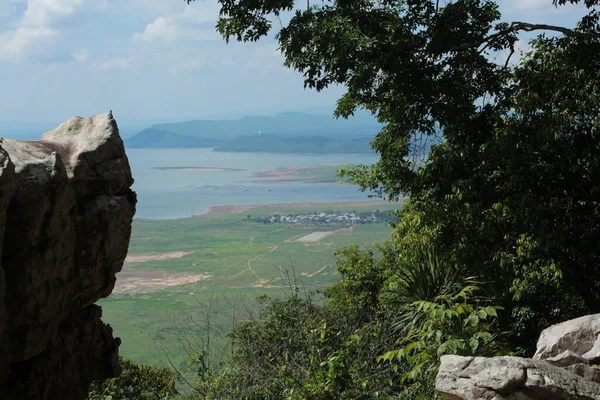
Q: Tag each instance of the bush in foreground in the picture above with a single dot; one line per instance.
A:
(137, 382)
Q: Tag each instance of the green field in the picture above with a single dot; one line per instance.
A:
(177, 268)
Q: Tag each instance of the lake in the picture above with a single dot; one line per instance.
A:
(173, 193)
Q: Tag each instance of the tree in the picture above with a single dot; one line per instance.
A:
(511, 183)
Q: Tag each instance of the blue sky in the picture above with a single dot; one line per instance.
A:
(153, 60)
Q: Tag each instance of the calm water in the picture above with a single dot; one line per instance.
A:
(174, 194)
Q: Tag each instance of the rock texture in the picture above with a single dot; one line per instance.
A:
(510, 378)
(562, 368)
(65, 220)
(580, 336)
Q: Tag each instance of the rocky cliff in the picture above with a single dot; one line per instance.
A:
(65, 220)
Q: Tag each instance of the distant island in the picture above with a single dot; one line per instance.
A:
(289, 132)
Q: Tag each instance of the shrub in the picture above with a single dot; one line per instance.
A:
(137, 382)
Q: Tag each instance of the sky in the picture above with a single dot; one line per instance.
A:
(156, 60)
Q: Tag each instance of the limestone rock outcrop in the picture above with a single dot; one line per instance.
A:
(66, 209)
(510, 378)
(562, 368)
(580, 336)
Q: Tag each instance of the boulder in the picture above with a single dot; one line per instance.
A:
(580, 336)
(66, 209)
(510, 378)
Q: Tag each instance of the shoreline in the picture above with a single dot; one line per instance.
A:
(217, 211)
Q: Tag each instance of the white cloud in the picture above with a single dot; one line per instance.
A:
(39, 28)
(187, 23)
(49, 13)
(160, 28)
(17, 44)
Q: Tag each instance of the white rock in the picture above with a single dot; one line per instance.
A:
(580, 336)
(510, 378)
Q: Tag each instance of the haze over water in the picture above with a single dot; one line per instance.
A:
(164, 194)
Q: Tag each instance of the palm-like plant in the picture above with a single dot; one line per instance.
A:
(421, 276)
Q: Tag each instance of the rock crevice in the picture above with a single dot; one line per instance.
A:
(65, 221)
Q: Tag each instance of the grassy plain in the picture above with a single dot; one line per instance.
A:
(222, 260)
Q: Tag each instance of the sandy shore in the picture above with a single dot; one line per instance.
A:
(136, 281)
(142, 258)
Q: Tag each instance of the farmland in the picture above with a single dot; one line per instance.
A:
(180, 272)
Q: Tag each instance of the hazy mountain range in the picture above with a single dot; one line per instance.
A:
(286, 132)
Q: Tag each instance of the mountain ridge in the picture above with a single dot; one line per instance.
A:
(289, 127)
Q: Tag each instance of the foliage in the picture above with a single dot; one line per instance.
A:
(328, 348)
(298, 349)
(426, 279)
(507, 193)
(509, 186)
(451, 324)
(519, 208)
(137, 382)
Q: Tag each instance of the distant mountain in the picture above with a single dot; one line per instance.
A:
(290, 124)
(154, 138)
(308, 132)
(314, 144)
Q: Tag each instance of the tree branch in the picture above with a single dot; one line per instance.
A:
(528, 27)
(512, 51)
